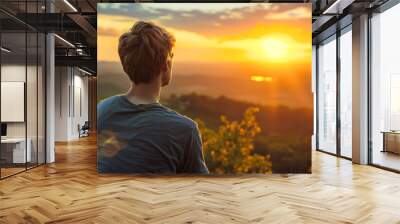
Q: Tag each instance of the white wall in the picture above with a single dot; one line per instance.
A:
(13, 101)
(13, 73)
(71, 93)
(80, 109)
(62, 81)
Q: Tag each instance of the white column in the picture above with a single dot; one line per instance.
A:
(50, 93)
(360, 89)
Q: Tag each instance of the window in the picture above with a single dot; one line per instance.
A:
(327, 95)
(385, 89)
(346, 93)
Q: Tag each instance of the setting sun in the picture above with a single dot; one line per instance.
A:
(275, 49)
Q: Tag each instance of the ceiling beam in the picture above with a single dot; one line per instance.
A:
(84, 24)
(320, 23)
(337, 7)
(49, 22)
(77, 61)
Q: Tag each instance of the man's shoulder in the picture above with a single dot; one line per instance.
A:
(108, 101)
(181, 120)
(106, 104)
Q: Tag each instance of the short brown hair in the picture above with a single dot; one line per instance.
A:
(144, 51)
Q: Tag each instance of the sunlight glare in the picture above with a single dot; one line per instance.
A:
(259, 78)
(275, 49)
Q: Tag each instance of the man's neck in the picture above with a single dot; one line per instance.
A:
(144, 93)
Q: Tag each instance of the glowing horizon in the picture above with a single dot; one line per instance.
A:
(259, 52)
(282, 41)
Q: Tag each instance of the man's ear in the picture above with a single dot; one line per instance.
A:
(164, 67)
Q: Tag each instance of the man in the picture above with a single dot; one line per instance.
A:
(136, 133)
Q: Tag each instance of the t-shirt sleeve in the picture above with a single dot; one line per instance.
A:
(194, 160)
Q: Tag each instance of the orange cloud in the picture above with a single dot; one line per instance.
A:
(107, 31)
(297, 13)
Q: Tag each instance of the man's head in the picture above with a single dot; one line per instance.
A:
(146, 53)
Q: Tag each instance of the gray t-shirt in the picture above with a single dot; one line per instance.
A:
(146, 138)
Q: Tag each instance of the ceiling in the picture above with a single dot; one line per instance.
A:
(75, 23)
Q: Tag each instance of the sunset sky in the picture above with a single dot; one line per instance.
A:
(262, 42)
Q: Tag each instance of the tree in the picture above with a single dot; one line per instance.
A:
(229, 149)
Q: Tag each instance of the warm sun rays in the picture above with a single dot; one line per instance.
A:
(275, 49)
(248, 39)
(264, 47)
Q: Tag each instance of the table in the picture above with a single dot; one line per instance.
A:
(13, 150)
(391, 141)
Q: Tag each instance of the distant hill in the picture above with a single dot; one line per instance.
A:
(294, 91)
(111, 79)
(274, 120)
(285, 132)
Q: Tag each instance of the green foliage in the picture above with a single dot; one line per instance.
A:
(230, 148)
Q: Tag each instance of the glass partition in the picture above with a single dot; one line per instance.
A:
(31, 98)
(327, 95)
(13, 109)
(346, 93)
(22, 88)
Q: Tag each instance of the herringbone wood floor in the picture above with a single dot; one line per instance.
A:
(70, 191)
